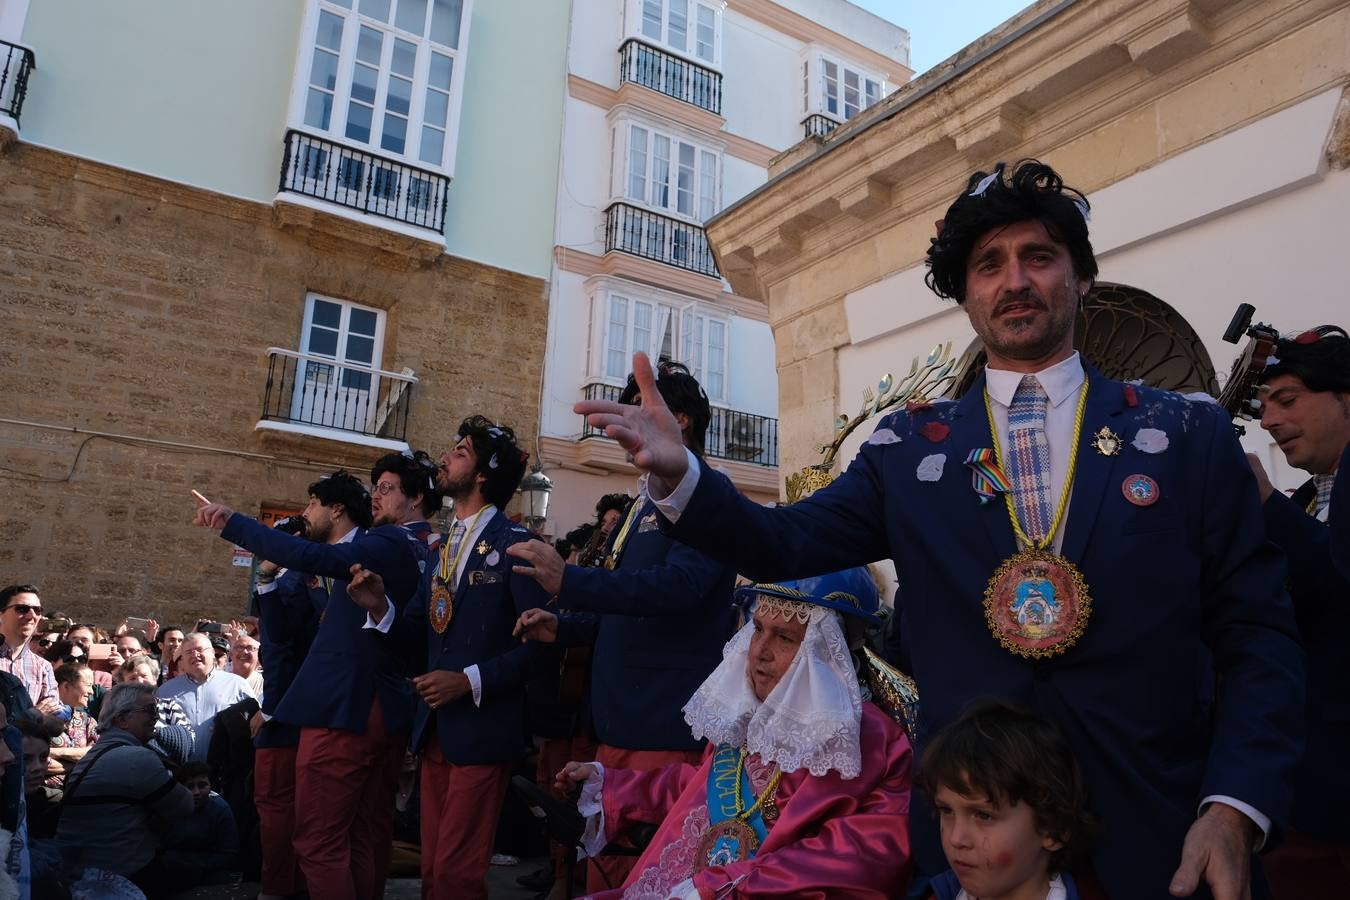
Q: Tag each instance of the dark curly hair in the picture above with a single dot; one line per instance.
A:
(499, 458)
(616, 502)
(345, 488)
(1319, 357)
(1012, 755)
(416, 472)
(683, 394)
(1034, 191)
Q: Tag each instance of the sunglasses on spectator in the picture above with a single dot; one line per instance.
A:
(45, 642)
(24, 609)
(72, 659)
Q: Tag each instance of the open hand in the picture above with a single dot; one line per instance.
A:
(536, 625)
(545, 565)
(1218, 848)
(649, 431)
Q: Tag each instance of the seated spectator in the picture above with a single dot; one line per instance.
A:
(204, 847)
(74, 685)
(115, 796)
(85, 636)
(44, 803)
(144, 669)
(202, 690)
(1011, 805)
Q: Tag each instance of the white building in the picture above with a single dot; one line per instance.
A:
(674, 110)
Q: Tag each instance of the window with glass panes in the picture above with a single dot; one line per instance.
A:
(687, 335)
(684, 25)
(381, 74)
(671, 174)
(845, 92)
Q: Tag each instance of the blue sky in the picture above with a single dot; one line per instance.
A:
(939, 29)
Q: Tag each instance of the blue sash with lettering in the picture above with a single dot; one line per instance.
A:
(729, 844)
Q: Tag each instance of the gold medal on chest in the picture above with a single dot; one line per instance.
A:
(729, 841)
(483, 548)
(1037, 604)
(441, 607)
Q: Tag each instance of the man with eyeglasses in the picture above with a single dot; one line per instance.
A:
(20, 614)
(404, 492)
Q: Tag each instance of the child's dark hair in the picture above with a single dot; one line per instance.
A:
(345, 488)
(1032, 191)
(1012, 755)
(416, 472)
(191, 769)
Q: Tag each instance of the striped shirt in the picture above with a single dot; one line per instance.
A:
(34, 671)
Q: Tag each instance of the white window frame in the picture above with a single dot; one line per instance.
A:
(665, 312)
(703, 205)
(815, 90)
(344, 322)
(336, 130)
(636, 28)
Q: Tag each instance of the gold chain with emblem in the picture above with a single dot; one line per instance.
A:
(769, 791)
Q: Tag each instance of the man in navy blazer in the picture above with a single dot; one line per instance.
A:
(470, 725)
(350, 700)
(1305, 406)
(658, 614)
(1164, 527)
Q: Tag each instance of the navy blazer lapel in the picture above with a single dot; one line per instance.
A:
(1106, 399)
(970, 431)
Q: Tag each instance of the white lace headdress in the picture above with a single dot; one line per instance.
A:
(810, 719)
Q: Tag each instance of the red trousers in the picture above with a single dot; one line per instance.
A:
(1304, 868)
(460, 809)
(606, 872)
(344, 797)
(274, 797)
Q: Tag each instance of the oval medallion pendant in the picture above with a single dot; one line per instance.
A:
(1037, 604)
(729, 841)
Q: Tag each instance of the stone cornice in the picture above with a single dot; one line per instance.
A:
(658, 275)
(1070, 79)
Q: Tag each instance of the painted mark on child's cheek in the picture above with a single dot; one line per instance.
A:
(1003, 860)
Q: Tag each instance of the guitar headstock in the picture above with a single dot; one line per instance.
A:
(1238, 396)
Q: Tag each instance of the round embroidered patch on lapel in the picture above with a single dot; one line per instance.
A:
(1140, 490)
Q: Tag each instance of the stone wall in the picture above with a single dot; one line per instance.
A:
(142, 309)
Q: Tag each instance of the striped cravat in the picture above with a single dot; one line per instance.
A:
(1029, 458)
(456, 539)
(1323, 483)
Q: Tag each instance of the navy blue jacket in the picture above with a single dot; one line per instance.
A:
(1339, 525)
(659, 622)
(488, 600)
(288, 619)
(347, 665)
(1179, 588)
(1322, 604)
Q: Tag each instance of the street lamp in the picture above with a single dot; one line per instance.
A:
(535, 489)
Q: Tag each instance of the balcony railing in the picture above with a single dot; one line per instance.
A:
(304, 389)
(651, 235)
(364, 181)
(654, 68)
(731, 434)
(816, 125)
(17, 63)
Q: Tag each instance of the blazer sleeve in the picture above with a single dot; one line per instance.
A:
(510, 670)
(1306, 542)
(1248, 623)
(577, 629)
(840, 526)
(681, 586)
(373, 551)
(1339, 517)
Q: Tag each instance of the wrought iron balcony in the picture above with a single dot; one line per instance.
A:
(650, 235)
(362, 180)
(17, 63)
(735, 435)
(319, 392)
(654, 68)
(817, 125)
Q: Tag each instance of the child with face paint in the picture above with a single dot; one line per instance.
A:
(1011, 806)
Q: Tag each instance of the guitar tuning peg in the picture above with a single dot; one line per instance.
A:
(1255, 405)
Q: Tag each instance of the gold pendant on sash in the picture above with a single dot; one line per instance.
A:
(727, 842)
(442, 607)
(1037, 604)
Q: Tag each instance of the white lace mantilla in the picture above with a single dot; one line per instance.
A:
(810, 720)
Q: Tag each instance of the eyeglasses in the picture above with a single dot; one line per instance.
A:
(45, 642)
(68, 658)
(384, 487)
(24, 609)
(152, 710)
